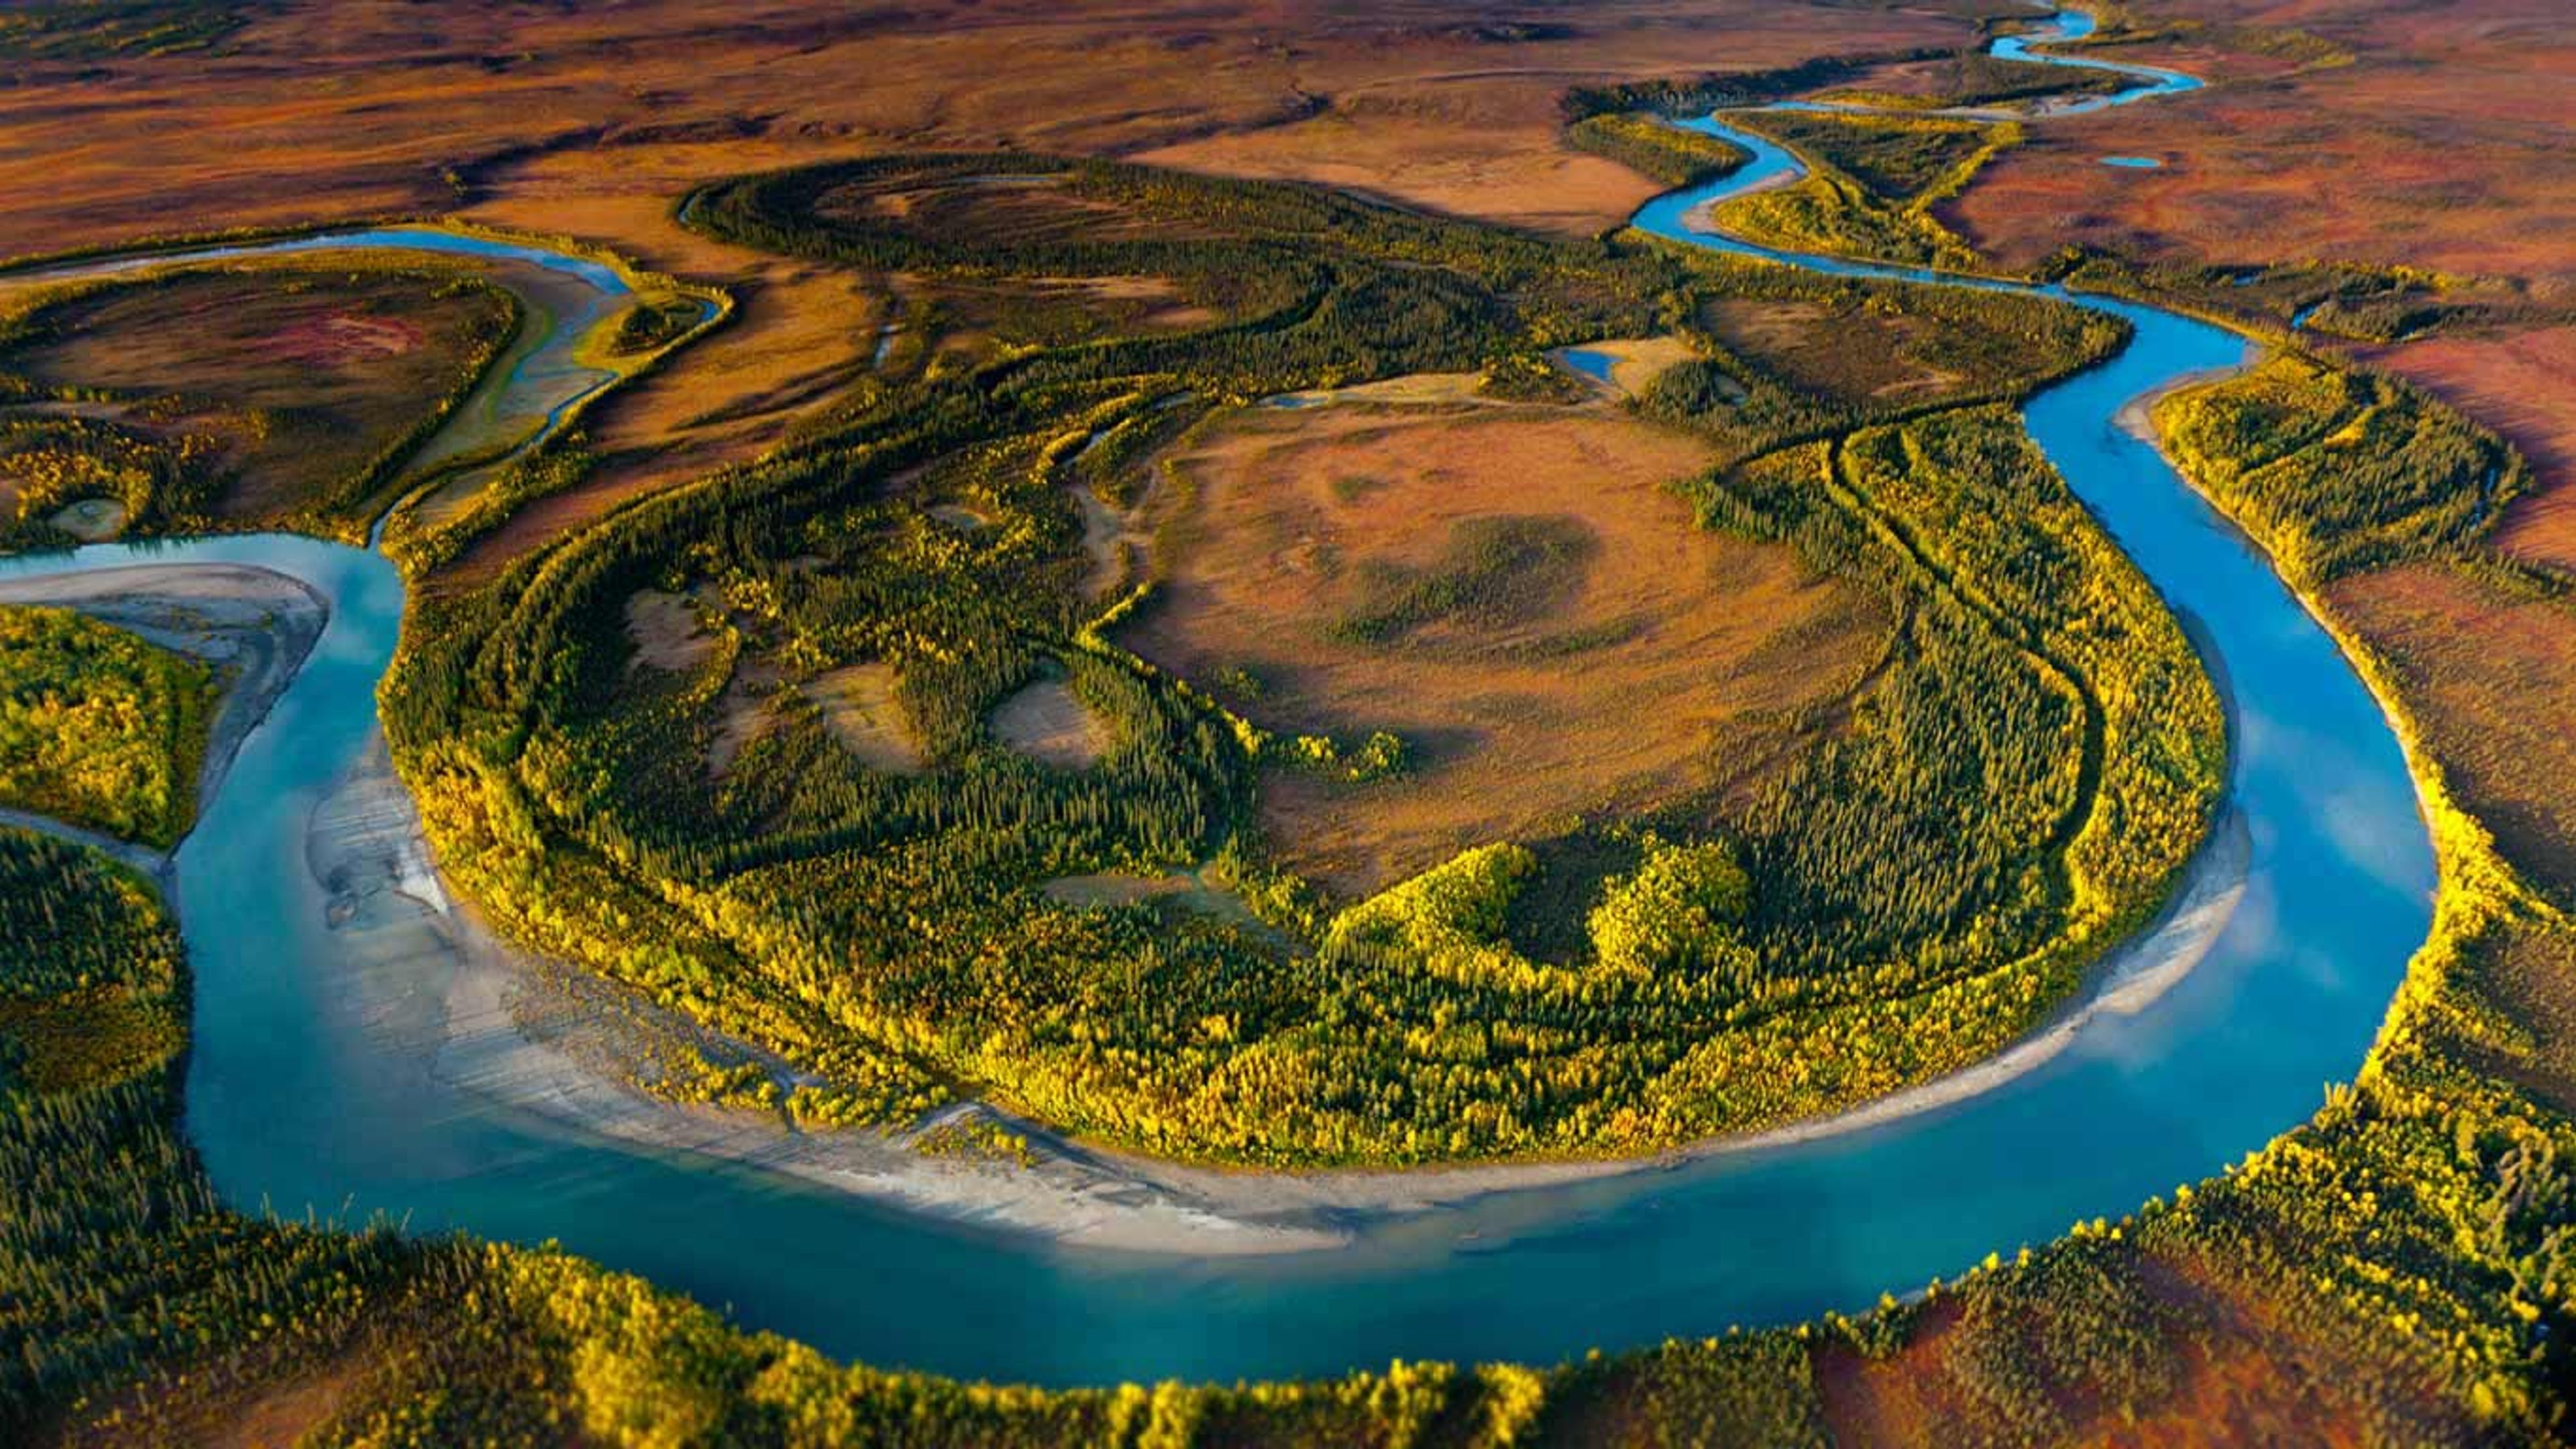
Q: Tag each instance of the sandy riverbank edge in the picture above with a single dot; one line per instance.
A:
(255, 623)
(1097, 1198)
(1703, 217)
(541, 1042)
(2137, 416)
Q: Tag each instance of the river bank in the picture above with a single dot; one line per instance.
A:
(564, 1049)
(254, 626)
(2137, 417)
(558, 1049)
(362, 1048)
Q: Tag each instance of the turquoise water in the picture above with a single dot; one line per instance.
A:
(293, 1104)
(2132, 163)
(599, 276)
(2070, 25)
(1593, 364)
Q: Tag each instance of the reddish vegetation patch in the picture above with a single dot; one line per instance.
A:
(2248, 1374)
(1035, 210)
(1433, 143)
(354, 109)
(278, 1406)
(2445, 140)
(345, 337)
(1652, 658)
(287, 1412)
(298, 379)
(2520, 386)
(594, 121)
(1902, 1399)
(2492, 675)
(1855, 353)
(2443, 143)
(1160, 303)
(2227, 1370)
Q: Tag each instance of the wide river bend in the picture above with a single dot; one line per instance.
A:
(295, 1104)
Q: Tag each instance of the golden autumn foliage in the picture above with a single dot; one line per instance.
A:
(99, 728)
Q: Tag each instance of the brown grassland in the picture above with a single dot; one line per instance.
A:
(1289, 533)
(374, 107)
(800, 334)
(2242, 1377)
(2433, 136)
(1848, 352)
(283, 383)
(2516, 382)
(1547, 644)
(569, 120)
(2492, 670)
(596, 122)
(2438, 144)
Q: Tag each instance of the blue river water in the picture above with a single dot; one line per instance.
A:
(294, 1106)
(599, 276)
(2073, 25)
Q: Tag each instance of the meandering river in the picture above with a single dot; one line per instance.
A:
(294, 1104)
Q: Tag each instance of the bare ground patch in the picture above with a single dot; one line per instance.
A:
(1516, 593)
(1045, 722)
(742, 712)
(1114, 889)
(1180, 890)
(1411, 389)
(860, 709)
(667, 632)
(1158, 301)
(1107, 541)
(91, 520)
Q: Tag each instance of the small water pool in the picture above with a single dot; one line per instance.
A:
(1591, 362)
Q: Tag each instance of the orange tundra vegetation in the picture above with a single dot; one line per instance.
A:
(594, 122)
(2433, 136)
(1328, 562)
